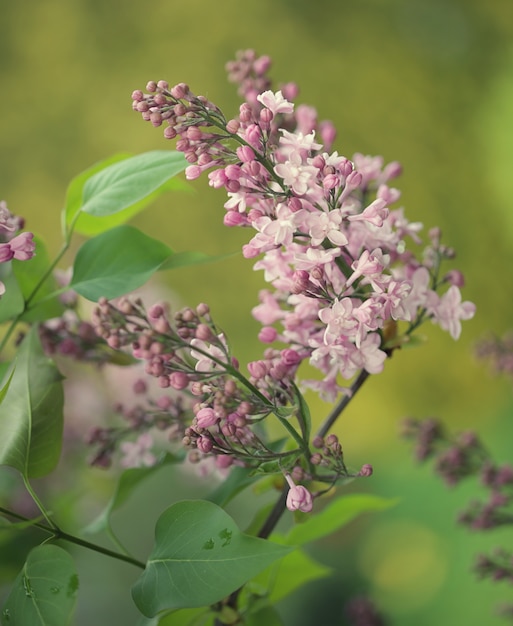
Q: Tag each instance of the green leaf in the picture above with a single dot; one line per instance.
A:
(28, 274)
(335, 515)
(12, 302)
(238, 479)
(31, 412)
(5, 387)
(187, 258)
(128, 482)
(45, 590)
(116, 262)
(266, 616)
(122, 184)
(199, 557)
(183, 617)
(73, 202)
(293, 571)
(111, 192)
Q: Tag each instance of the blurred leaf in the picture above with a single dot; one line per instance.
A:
(267, 616)
(293, 571)
(187, 258)
(238, 479)
(31, 424)
(28, 274)
(199, 557)
(335, 515)
(116, 262)
(45, 590)
(128, 482)
(12, 302)
(183, 617)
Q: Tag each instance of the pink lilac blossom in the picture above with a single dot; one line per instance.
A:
(325, 227)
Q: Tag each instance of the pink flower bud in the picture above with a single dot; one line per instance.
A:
(234, 218)
(178, 380)
(205, 417)
(290, 357)
(366, 470)
(204, 444)
(257, 369)
(298, 498)
(268, 334)
(232, 126)
(192, 172)
(245, 154)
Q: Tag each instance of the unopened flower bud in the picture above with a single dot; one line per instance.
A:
(298, 498)
(366, 470)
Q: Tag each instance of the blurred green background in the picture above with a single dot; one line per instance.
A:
(425, 82)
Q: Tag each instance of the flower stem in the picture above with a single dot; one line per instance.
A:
(57, 534)
(344, 401)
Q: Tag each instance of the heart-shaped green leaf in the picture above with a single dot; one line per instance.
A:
(31, 411)
(116, 262)
(45, 590)
(199, 557)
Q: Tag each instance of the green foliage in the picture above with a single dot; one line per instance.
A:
(116, 262)
(336, 515)
(284, 577)
(199, 557)
(118, 188)
(29, 275)
(31, 410)
(45, 590)
(129, 480)
(12, 303)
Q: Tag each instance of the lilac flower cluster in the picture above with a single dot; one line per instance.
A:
(13, 244)
(331, 246)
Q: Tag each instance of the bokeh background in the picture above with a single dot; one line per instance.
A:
(425, 82)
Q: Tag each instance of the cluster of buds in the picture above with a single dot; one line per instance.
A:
(166, 414)
(71, 336)
(332, 247)
(13, 244)
(209, 406)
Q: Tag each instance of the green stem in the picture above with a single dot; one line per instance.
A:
(57, 534)
(344, 401)
(40, 505)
